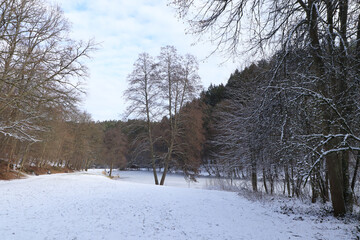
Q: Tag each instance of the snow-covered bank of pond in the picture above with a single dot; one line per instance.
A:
(91, 206)
(178, 180)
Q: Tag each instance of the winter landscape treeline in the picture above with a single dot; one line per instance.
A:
(290, 119)
(41, 72)
(313, 47)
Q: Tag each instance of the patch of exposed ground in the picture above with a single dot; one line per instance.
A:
(8, 174)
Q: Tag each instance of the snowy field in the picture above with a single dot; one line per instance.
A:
(92, 206)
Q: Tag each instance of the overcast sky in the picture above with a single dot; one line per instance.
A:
(126, 28)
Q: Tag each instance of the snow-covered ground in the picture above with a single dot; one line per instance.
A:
(92, 206)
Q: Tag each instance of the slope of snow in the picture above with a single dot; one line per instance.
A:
(91, 206)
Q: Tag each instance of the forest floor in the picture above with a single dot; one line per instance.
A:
(88, 205)
(28, 170)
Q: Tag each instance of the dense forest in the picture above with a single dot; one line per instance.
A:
(291, 118)
(313, 48)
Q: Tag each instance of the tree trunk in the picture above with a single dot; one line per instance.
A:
(334, 166)
(111, 168)
(166, 164)
(254, 176)
(313, 188)
(271, 183)
(264, 181)
(24, 158)
(86, 164)
(298, 187)
(287, 180)
(150, 136)
(326, 184)
(348, 197)
(292, 180)
(353, 181)
(162, 181)
(317, 54)
(322, 186)
(171, 125)
(10, 160)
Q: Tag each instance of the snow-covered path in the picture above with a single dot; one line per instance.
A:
(89, 206)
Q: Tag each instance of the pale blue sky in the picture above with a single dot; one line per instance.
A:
(126, 28)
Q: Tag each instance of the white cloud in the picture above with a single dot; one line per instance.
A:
(125, 29)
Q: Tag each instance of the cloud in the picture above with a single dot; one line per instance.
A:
(124, 29)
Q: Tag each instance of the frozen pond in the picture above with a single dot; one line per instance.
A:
(172, 179)
(202, 182)
(178, 180)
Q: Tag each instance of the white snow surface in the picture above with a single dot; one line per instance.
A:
(91, 206)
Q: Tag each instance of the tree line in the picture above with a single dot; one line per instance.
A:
(314, 46)
(41, 72)
(41, 77)
(263, 125)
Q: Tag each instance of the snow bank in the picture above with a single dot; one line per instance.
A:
(91, 206)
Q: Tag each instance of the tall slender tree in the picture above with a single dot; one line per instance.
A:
(143, 95)
(180, 83)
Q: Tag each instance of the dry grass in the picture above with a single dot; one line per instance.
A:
(111, 177)
(5, 175)
(32, 170)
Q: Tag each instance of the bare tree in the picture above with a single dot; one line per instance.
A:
(38, 64)
(143, 95)
(180, 83)
(154, 86)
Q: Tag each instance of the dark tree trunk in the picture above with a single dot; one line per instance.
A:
(166, 164)
(334, 166)
(323, 190)
(313, 189)
(11, 156)
(333, 160)
(111, 168)
(264, 181)
(166, 167)
(287, 180)
(353, 181)
(254, 176)
(348, 197)
(292, 181)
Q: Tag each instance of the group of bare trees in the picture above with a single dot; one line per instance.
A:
(161, 89)
(315, 46)
(40, 73)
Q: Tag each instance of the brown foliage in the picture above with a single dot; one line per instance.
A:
(191, 138)
(115, 147)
